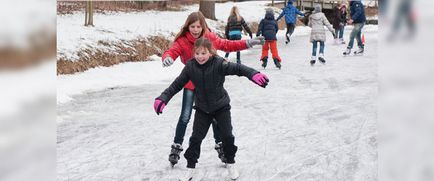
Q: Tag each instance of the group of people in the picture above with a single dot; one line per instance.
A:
(204, 73)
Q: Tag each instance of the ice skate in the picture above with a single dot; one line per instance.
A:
(219, 148)
(347, 51)
(359, 51)
(188, 175)
(232, 171)
(321, 58)
(277, 63)
(174, 153)
(264, 62)
(312, 60)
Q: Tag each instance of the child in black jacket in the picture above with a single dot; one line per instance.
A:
(207, 71)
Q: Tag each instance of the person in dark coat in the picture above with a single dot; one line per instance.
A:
(234, 27)
(358, 19)
(290, 12)
(207, 71)
(268, 28)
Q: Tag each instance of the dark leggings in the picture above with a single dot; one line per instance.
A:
(201, 124)
(289, 30)
(234, 37)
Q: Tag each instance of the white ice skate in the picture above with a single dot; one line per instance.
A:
(342, 41)
(188, 175)
(359, 51)
(312, 60)
(321, 58)
(347, 51)
(233, 172)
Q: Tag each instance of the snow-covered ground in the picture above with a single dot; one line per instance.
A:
(310, 123)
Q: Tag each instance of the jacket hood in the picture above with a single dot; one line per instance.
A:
(317, 8)
(269, 14)
(289, 2)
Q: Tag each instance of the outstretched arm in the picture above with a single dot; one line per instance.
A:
(229, 68)
(172, 53)
(175, 87)
(280, 15)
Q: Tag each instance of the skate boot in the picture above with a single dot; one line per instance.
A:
(347, 51)
(174, 153)
(264, 61)
(233, 171)
(359, 51)
(312, 60)
(321, 58)
(219, 148)
(188, 175)
(287, 39)
(277, 63)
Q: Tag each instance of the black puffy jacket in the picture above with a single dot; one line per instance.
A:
(268, 27)
(210, 95)
(235, 25)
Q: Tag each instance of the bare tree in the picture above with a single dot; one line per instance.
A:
(208, 9)
(88, 19)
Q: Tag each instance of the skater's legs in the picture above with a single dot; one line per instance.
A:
(355, 32)
(216, 131)
(314, 47)
(265, 48)
(359, 36)
(184, 118)
(227, 54)
(274, 51)
(223, 118)
(201, 125)
(321, 47)
(341, 32)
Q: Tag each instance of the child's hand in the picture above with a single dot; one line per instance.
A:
(159, 106)
(259, 40)
(260, 79)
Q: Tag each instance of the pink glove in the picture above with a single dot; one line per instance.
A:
(159, 106)
(260, 79)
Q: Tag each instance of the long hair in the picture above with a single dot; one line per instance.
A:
(204, 43)
(234, 13)
(193, 17)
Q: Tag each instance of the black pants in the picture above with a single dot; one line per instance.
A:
(234, 37)
(289, 30)
(201, 124)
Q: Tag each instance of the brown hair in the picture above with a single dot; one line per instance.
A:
(193, 17)
(204, 43)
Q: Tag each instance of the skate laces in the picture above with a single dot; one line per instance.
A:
(176, 148)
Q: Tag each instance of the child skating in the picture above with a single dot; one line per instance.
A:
(318, 35)
(207, 71)
(196, 27)
(268, 28)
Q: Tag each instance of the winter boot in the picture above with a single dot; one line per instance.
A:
(321, 58)
(277, 63)
(312, 60)
(219, 148)
(174, 153)
(347, 51)
(359, 51)
(264, 61)
(233, 171)
(188, 175)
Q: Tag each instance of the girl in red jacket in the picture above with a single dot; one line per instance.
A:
(195, 27)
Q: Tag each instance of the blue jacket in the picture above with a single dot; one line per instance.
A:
(268, 27)
(290, 12)
(357, 12)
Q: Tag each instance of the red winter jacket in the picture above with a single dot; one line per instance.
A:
(183, 47)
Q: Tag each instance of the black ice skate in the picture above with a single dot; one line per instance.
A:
(219, 148)
(321, 58)
(174, 153)
(312, 60)
(277, 63)
(264, 62)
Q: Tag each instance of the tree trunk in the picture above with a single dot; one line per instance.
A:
(86, 13)
(91, 13)
(272, 2)
(208, 9)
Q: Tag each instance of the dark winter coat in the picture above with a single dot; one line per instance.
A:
(183, 47)
(357, 12)
(236, 26)
(340, 17)
(290, 12)
(210, 95)
(268, 27)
